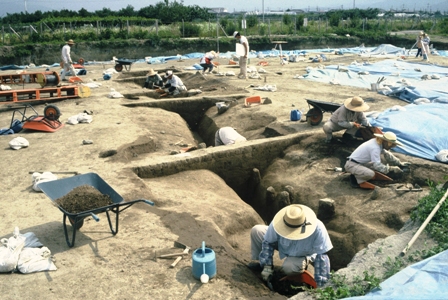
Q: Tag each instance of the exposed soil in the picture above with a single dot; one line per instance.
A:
(83, 198)
(211, 194)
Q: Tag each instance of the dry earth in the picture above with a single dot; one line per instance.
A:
(211, 194)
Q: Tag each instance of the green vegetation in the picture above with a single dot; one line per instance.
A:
(339, 287)
(171, 19)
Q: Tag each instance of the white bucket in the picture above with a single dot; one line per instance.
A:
(374, 87)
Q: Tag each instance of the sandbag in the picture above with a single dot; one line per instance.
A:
(35, 260)
(42, 177)
(10, 250)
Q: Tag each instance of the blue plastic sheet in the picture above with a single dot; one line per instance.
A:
(424, 280)
(421, 128)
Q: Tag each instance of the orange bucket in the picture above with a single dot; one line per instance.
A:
(254, 100)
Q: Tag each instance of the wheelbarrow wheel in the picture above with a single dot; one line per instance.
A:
(118, 67)
(314, 116)
(52, 112)
(78, 225)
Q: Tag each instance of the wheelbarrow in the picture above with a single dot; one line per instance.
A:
(119, 63)
(58, 188)
(315, 115)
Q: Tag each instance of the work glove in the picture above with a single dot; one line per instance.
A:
(267, 271)
(405, 164)
(395, 170)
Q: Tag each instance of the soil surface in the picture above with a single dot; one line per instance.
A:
(160, 149)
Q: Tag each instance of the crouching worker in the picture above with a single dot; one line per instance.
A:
(153, 80)
(365, 162)
(228, 136)
(206, 62)
(173, 86)
(349, 116)
(300, 238)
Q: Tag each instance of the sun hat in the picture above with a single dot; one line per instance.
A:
(213, 53)
(168, 73)
(235, 33)
(388, 136)
(356, 104)
(422, 33)
(70, 42)
(295, 222)
(151, 72)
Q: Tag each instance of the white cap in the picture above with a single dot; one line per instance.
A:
(235, 33)
(168, 73)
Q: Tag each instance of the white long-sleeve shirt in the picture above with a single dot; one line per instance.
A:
(66, 58)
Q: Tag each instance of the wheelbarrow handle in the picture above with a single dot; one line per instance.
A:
(95, 217)
(148, 202)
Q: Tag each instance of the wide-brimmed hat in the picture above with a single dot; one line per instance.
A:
(151, 72)
(70, 42)
(295, 222)
(356, 104)
(388, 136)
(213, 53)
(422, 33)
(168, 74)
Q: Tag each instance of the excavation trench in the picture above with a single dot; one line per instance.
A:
(280, 165)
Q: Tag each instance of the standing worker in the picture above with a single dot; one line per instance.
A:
(67, 60)
(243, 58)
(419, 44)
(206, 62)
(349, 116)
(300, 238)
(425, 46)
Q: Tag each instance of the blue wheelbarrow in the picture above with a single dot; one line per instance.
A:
(59, 188)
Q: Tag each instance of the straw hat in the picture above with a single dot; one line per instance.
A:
(356, 104)
(213, 53)
(388, 136)
(295, 222)
(422, 33)
(151, 73)
(70, 42)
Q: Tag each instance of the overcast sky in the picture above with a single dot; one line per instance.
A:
(13, 6)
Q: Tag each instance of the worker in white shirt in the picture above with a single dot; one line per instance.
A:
(228, 136)
(243, 58)
(174, 85)
(67, 60)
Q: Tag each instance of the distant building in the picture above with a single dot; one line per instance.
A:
(218, 10)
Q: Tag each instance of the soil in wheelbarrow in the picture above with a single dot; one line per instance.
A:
(83, 198)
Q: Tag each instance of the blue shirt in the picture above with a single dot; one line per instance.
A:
(317, 243)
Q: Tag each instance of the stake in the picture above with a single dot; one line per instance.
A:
(428, 219)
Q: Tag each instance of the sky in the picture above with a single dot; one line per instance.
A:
(16, 6)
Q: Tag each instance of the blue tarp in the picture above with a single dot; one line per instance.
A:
(424, 280)
(421, 128)
(394, 72)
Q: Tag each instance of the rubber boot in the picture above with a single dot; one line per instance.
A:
(367, 185)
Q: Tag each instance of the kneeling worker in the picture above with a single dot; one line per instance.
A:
(363, 163)
(153, 80)
(349, 116)
(300, 238)
(228, 136)
(173, 85)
